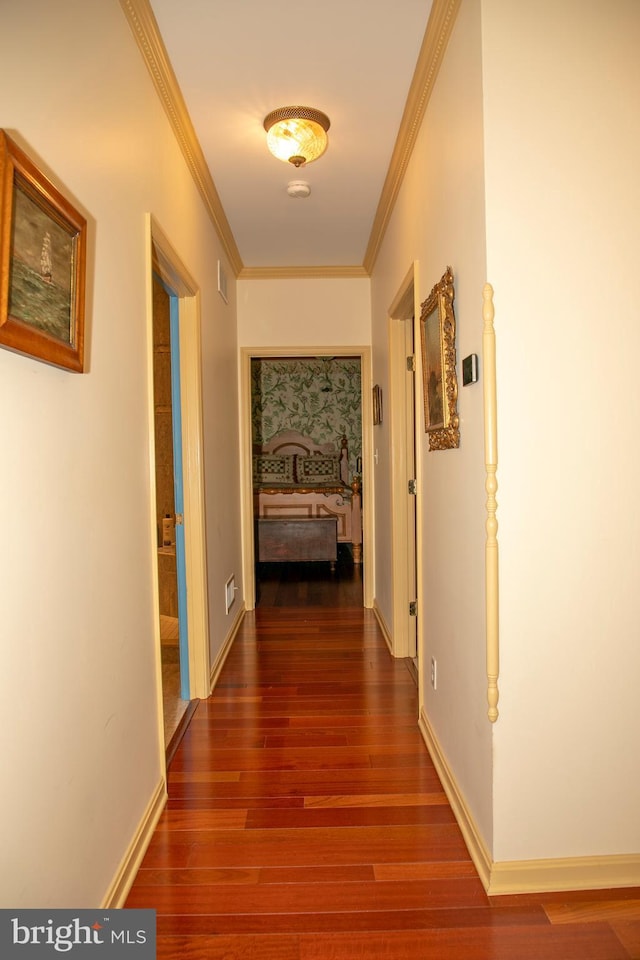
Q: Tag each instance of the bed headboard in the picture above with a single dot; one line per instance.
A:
(289, 442)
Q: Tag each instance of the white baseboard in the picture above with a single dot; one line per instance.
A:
(125, 875)
(527, 876)
(472, 837)
(571, 873)
(116, 895)
(217, 666)
(386, 633)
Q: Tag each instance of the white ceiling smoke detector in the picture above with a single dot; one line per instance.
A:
(298, 189)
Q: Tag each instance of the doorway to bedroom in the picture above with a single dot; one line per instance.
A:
(306, 441)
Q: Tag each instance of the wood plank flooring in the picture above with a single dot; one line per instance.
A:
(311, 584)
(174, 707)
(306, 820)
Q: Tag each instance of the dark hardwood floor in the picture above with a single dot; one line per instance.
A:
(310, 584)
(306, 820)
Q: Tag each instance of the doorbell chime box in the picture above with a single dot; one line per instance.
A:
(470, 369)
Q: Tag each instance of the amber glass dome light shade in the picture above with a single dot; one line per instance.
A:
(297, 135)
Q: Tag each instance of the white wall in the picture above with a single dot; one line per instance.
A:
(80, 755)
(553, 117)
(533, 116)
(562, 148)
(304, 313)
(439, 221)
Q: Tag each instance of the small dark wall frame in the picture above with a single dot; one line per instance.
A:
(377, 405)
(439, 380)
(43, 242)
(470, 369)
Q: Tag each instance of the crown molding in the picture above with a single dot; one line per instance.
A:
(303, 273)
(145, 30)
(441, 21)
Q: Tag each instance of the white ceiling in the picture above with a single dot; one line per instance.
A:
(236, 60)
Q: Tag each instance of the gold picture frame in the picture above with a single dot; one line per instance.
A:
(439, 380)
(42, 264)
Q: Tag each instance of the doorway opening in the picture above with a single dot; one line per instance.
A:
(404, 479)
(178, 486)
(169, 508)
(316, 401)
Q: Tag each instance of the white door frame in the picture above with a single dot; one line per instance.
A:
(162, 258)
(247, 354)
(405, 521)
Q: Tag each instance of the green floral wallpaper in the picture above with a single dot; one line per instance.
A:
(320, 398)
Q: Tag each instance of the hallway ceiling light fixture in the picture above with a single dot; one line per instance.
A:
(297, 135)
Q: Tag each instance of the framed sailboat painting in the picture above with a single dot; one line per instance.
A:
(43, 241)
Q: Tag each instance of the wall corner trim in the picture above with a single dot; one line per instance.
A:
(116, 895)
(491, 487)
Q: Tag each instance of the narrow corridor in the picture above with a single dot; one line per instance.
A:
(306, 821)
